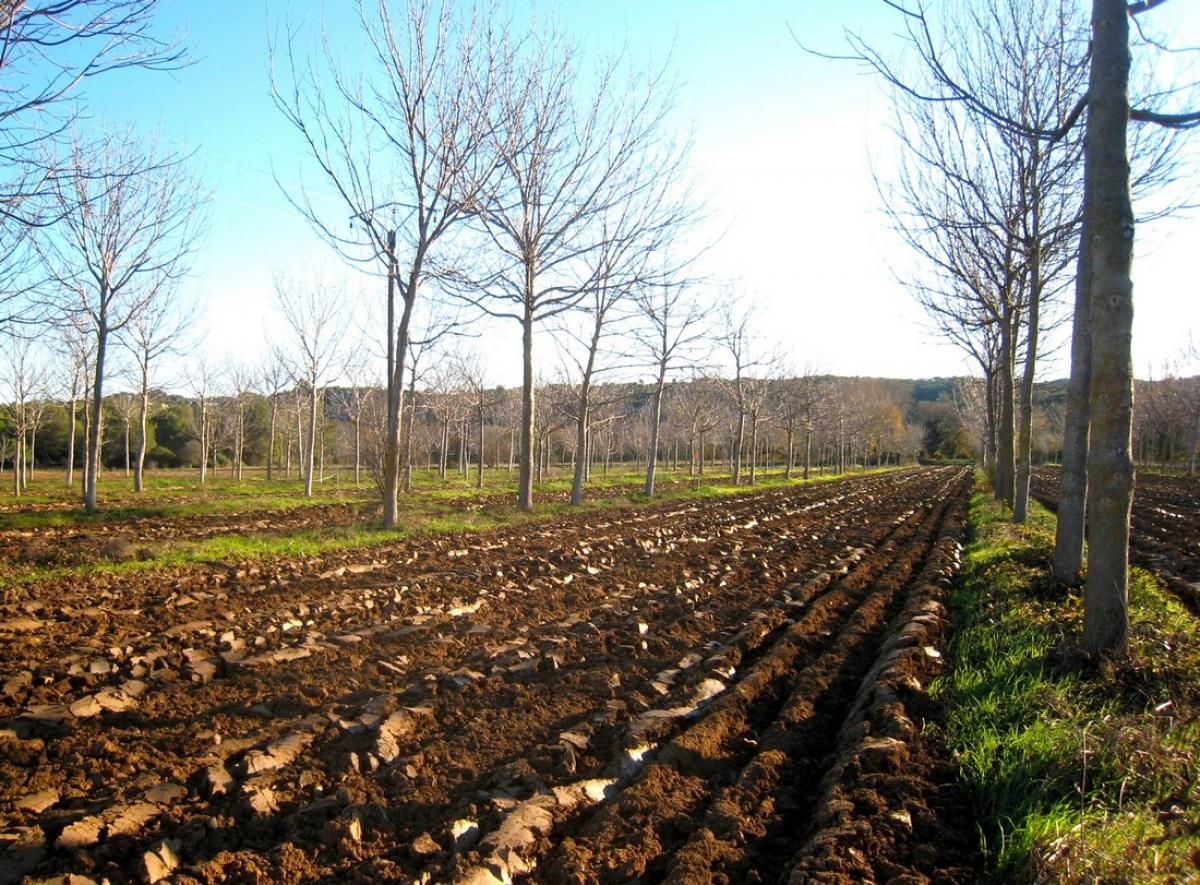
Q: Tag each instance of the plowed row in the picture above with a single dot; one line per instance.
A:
(1164, 527)
(710, 691)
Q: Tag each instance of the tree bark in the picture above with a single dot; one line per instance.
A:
(525, 474)
(1006, 454)
(140, 462)
(1110, 462)
(1072, 489)
(311, 444)
(1034, 271)
(94, 431)
(655, 421)
(71, 440)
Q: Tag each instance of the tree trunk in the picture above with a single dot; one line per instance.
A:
(71, 441)
(311, 446)
(358, 446)
(1072, 489)
(140, 463)
(271, 439)
(1110, 463)
(1034, 272)
(94, 432)
(525, 476)
(655, 421)
(735, 454)
(479, 476)
(1006, 456)
(753, 449)
(408, 428)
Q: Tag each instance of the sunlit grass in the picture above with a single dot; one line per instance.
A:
(1070, 767)
(435, 506)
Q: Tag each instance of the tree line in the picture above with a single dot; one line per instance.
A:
(1027, 133)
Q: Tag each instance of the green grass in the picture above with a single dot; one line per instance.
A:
(434, 507)
(1077, 773)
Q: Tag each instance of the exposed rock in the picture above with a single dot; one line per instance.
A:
(86, 707)
(165, 793)
(81, 834)
(277, 753)
(160, 862)
(36, 803)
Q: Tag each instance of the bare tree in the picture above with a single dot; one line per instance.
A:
(737, 341)
(570, 156)
(403, 147)
(76, 346)
(272, 381)
(47, 49)
(130, 217)
(311, 312)
(671, 335)
(154, 332)
(1104, 294)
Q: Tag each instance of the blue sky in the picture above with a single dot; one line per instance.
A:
(785, 144)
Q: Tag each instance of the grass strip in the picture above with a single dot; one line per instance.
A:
(1078, 773)
(426, 512)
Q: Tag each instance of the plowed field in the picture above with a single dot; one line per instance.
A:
(722, 690)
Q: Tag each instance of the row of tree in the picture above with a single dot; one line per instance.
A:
(806, 422)
(1014, 187)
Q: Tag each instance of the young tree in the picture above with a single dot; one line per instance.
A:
(571, 153)
(311, 312)
(154, 332)
(404, 148)
(47, 49)
(130, 217)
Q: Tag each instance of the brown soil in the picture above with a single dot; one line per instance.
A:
(1164, 527)
(724, 690)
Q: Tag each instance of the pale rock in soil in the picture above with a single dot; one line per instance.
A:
(165, 793)
(36, 803)
(81, 834)
(128, 820)
(160, 862)
(217, 780)
(86, 707)
(277, 753)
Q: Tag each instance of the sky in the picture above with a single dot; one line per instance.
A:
(785, 147)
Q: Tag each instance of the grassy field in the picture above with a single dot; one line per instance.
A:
(1078, 773)
(434, 505)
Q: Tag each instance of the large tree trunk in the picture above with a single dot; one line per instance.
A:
(1110, 462)
(397, 348)
(655, 421)
(1025, 437)
(754, 448)
(525, 475)
(1006, 454)
(1072, 489)
(203, 441)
